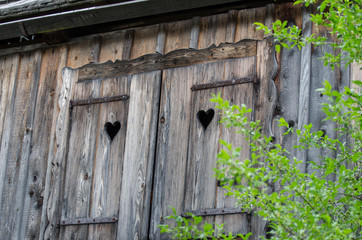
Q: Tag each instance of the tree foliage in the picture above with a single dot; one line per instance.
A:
(342, 18)
(308, 205)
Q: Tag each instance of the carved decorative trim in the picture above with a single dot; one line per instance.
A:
(174, 59)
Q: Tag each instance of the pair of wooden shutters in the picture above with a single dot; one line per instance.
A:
(151, 143)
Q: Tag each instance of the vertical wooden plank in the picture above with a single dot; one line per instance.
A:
(139, 157)
(305, 75)
(212, 30)
(289, 12)
(108, 162)
(178, 35)
(161, 38)
(195, 32)
(231, 26)
(245, 28)
(320, 73)
(36, 170)
(170, 160)
(4, 90)
(19, 145)
(356, 74)
(144, 41)
(287, 82)
(57, 151)
(265, 99)
(83, 52)
(112, 46)
(9, 85)
(8, 70)
(238, 94)
(200, 185)
(80, 159)
(265, 90)
(269, 17)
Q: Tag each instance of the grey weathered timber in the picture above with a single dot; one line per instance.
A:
(37, 162)
(170, 160)
(161, 38)
(237, 95)
(139, 155)
(304, 85)
(212, 30)
(200, 185)
(174, 59)
(75, 55)
(19, 146)
(178, 35)
(287, 82)
(266, 92)
(183, 174)
(108, 160)
(231, 26)
(57, 153)
(112, 46)
(264, 107)
(319, 73)
(194, 35)
(144, 42)
(9, 83)
(79, 162)
(8, 66)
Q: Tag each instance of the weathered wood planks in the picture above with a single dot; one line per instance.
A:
(139, 156)
(108, 159)
(264, 107)
(237, 95)
(183, 174)
(8, 93)
(36, 172)
(174, 59)
(46, 112)
(57, 154)
(19, 145)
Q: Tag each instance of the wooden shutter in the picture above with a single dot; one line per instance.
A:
(186, 151)
(112, 125)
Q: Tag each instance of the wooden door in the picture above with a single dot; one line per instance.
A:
(188, 141)
(110, 156)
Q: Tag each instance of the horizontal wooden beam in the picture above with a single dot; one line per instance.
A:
(177, 58)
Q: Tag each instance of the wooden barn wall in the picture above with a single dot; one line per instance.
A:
(33, 93)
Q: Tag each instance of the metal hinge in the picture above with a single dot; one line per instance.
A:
(97, 100)
(84, 221)
(197, 87)
(214, 211)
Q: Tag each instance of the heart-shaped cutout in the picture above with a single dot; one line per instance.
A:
(112, 129)
(205, 118)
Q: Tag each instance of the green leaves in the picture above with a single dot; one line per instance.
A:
(343, 18)
(307, 205)
(191, 227)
